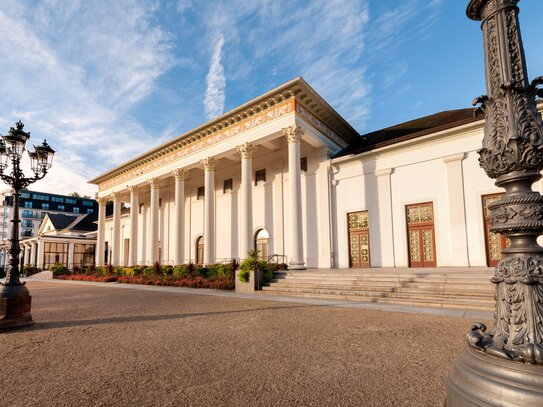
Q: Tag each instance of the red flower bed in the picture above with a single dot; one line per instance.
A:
(196, 282)
(85, 277)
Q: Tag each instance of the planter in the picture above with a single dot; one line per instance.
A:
(254, 283)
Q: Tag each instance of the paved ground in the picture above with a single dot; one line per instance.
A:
(100, 346)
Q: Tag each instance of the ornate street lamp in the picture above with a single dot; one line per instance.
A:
(504, 366)
(15, 300)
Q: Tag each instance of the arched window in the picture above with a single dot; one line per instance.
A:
(200, 250)
(262, 243)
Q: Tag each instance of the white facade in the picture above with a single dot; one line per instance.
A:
(304, 211)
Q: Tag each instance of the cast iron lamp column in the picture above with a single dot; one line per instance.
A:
(504, 366)
(15, 300)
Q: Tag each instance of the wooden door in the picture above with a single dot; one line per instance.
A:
(494, 242)
(421, 235)
(359, 239)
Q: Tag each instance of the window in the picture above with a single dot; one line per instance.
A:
(200, 193)
(55, 253)
(26, 232)
(57, 199)
(42, 215)
(88, 203)
(25, 195)
(90, 210)
(27, 214)
(260, 177)
(76, 209)
(40, 197)
(45, 206)
(71, 201)
(83, 254)
(141, 208)
(303, 164)
(227, 186)
(27, 223)
(28, 204)
(61, 208)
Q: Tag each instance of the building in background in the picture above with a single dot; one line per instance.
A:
(33, 208)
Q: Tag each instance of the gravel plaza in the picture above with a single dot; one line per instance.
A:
(112, 345)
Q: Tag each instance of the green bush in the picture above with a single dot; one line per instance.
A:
(148, 271)
(254, 263)
(180, 272)
(119, 271)
(166, 270)
(58, 269)
(243, 275)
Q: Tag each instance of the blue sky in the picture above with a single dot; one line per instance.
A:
(106, 80)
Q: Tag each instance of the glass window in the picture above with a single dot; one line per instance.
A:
(57, 199)
(71, 201)
(201, 193)
(25, 195)
(45, 206)
(76, 209)
(26, 233)
(61, 208)
(303, 164)
(142, 207)
(260, 177)
(27, 223)
(42, 215)
(28, 204)
(88, 203)
(55, 253)
(227, 186)
(90, 210)
(40, 197)
(83, 254)
(27, 213)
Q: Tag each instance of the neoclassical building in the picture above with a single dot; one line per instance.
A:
(286, 174)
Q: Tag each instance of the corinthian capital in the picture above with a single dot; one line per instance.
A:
(133, 189)
(102, 200)
(180, 174)
(246, 150)
(154, 183)
(293, 133)
(209, 164)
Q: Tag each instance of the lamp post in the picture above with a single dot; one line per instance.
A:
(504, 366)
(15, 299)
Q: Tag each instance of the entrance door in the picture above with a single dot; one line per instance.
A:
(421, 235)
(359, 239)
(495, 242)
(200, 250)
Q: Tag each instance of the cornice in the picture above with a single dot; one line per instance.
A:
(297, 89)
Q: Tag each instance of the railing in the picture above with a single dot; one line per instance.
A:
(280, 259)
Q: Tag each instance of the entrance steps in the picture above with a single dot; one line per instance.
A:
(441, 287)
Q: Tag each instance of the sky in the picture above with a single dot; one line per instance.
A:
(104, 81)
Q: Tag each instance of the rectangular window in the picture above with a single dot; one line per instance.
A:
(260, 177)
(57, 199)
(26, 233)
(88, 203)
(83, 254)
(61, 208)
(45, 206)
(55, 253)
(27, 213)
(200, 193)
(71, 201)
(42, 215)
(27, 223)
(25, 195)
(303, 164)
(227, 186)
(90, 210)
(40, 197)
(28, 204)
(76, 209)
(141, 208)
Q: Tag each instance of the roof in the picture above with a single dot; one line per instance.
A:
(61, 221)
(79, 223)
(410, 130)
(298, 88)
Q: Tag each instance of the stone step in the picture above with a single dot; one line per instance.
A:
(380, 294)
(390, 279)
(419, 302)
(455, 285)
(464, 291)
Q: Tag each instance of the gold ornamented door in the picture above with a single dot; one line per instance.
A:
(359, 239)
(495, 242)
(421, 235)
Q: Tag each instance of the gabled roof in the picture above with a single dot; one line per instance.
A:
(61, 221)
(409, 130)
(69, 223)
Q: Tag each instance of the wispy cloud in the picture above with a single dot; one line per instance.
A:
(216, 82)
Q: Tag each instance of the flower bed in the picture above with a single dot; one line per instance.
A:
(196, 282)
(85, 277)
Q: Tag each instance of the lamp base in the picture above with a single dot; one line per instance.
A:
(15, 305)
(479, 379)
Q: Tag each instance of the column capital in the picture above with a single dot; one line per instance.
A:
(133, 189)
(180, 174)
(115, 196)
(209, 163)
(453, 158)
(154, 183)
(293, 133)
(246, 150)
(102, 200)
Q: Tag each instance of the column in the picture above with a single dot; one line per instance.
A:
(153, 244)
(39, 260)
(134, 210)
(323, 206)
(294, 135)
(34, 255)
(70, 262)
(101, 238)
(116, 235)
(246, 201)
(386, 227)
(457, 213)
(210, 164)
(179, 215)
(26, 254)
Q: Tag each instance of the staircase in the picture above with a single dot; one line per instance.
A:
(441, 287)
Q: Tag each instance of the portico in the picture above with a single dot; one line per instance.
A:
(249, 170)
